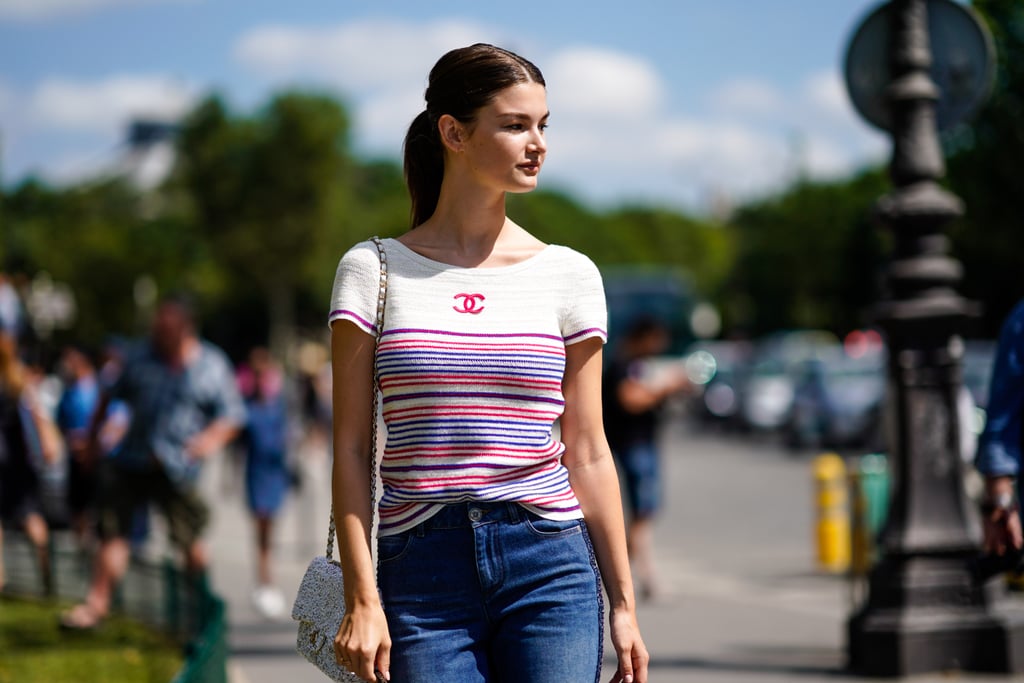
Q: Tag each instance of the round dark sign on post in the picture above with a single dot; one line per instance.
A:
(963, 65)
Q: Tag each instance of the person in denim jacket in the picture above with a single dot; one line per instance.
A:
(999, 447)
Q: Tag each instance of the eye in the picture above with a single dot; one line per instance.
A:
(514, 126)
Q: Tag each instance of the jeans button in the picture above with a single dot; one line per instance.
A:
(475, 514)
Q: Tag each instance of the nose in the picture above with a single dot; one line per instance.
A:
(538, 144)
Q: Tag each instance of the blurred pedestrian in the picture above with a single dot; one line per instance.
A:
(264, 443)
(633, 398)
(28, 442)
(999, 446)
(486, 567)
(78, 403)
(185, 408)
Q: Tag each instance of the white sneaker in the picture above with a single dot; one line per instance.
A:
(269, 602)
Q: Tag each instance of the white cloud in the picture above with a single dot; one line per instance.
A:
(748, 96)
(49, 9)
(361, 55)
(827, 93)
(107, 105)
(601, 83)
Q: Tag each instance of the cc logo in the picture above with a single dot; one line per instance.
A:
(471, 303)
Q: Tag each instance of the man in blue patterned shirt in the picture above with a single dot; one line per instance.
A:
(999, 447)
(185, 408)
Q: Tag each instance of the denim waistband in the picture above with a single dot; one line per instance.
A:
(474, 513)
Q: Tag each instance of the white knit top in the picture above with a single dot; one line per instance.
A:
(470, 368)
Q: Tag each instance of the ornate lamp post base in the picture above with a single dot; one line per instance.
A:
(936, 634)
(928, 608)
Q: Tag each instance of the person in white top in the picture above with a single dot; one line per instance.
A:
(495, 536)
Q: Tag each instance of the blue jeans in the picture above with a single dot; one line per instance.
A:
(640, 467)
(487, 592)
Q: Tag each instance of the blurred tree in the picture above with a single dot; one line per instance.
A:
(268, 193)
(630, 235)
(984, 170)
(808, 258)
(93, 237)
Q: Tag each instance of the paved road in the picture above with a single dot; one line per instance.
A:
(743, 600)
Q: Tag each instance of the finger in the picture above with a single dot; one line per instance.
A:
(626, 668)
(383, 664)
(640, 664)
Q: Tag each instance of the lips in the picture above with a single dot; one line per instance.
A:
(532, 167)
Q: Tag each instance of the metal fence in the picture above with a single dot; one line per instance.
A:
(156, 593)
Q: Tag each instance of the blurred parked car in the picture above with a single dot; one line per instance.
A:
(716, 370)
(838, 401)
(767, 393)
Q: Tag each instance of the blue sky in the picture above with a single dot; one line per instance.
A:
(684, 103)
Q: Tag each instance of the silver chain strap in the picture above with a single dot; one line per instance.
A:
(381, 301)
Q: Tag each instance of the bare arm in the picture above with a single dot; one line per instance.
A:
(213, 438)
(637, 397)
(595, 482)
(363, 637)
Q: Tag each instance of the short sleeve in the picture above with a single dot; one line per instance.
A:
(585, 314)
(228, 403)
(356, 285)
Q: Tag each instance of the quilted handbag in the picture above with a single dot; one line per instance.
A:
(320, 602)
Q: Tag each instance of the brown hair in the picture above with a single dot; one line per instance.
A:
(462, 81)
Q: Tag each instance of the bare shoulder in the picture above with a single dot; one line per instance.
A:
(520, 239)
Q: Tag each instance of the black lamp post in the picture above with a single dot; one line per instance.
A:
(926, 609)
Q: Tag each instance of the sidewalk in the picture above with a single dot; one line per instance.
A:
(742, 601)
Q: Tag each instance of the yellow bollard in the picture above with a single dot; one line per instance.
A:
(833, 514)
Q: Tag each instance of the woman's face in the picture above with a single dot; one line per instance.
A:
(505, 148)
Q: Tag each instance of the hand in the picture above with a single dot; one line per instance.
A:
(1001, 527)
(1002, 531)
(629, 647)
(363, 645)
(202, 445)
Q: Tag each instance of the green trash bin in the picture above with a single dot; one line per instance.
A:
(869, 491)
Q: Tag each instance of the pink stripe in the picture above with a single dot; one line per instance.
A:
(350, 314)
(445, 333)
(589, 330)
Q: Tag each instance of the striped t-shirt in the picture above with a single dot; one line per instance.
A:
(470, 369)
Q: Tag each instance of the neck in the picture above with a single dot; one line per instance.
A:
(467, 220)
(183, 355)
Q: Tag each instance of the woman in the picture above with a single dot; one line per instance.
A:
(264, 444)
(486, 569)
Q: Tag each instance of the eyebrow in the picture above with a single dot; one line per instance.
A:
(520, 115)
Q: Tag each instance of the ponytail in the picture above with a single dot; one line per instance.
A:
(424, 167)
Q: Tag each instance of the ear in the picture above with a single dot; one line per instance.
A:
(452, 132)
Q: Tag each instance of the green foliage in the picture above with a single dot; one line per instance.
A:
(984, 170)
(33, 649)
(808, 258)
(631, 235)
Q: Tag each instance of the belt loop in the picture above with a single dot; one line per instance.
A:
(513, 513)
(421, 530)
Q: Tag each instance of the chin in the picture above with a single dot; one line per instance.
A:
(523, 187)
